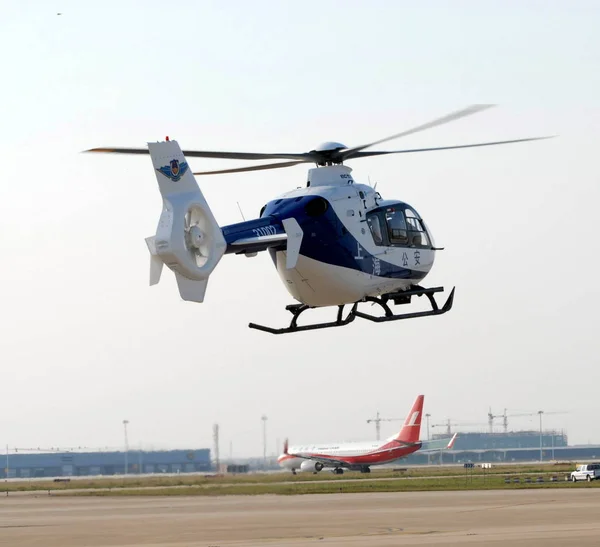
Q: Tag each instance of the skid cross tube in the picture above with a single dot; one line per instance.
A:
(417, 291)
(398, 298)
(297, 309)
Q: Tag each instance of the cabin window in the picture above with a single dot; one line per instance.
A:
(374, 223)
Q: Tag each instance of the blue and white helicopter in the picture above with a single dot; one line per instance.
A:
(334, 242)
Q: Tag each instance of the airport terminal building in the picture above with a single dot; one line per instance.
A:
(517, 446)
(70, 464)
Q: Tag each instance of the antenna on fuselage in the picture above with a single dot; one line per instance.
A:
(241, 212)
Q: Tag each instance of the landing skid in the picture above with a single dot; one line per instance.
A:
(398, 298)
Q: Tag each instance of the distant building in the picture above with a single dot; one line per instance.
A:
(515, 446)
(512, 439)
(67, 464)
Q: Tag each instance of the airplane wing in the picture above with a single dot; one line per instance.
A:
(325, 460)
(437, 445)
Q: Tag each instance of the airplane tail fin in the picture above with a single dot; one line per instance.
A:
(411, 429)
(285, 446)
(188, 239)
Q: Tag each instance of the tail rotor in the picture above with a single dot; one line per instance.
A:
(188, 239)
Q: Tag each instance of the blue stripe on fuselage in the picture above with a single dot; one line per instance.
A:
(249, 229)
(327, 240)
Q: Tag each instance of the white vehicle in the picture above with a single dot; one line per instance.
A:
(588, 472)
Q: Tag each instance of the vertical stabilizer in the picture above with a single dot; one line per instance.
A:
(411, 430)
(188, 239)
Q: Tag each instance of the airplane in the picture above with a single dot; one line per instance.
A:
(360, 456)
(334, 242)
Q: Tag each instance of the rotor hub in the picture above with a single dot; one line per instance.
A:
(196, 236)
(328, 153)
(330, 147)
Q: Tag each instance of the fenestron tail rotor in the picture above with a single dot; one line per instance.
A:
(188, 239)
(196, 237)
(330, 153)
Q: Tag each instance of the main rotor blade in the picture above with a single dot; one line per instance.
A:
(473, 109)
(251, 168)
(219, 155)
(376, 153)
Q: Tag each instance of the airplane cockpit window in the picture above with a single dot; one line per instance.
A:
(417, 236)
(375, 226)
(396, 225)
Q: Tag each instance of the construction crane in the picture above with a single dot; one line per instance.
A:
(378, 421)
(505, 417)
(449, 423)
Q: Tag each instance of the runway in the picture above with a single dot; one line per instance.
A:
(551, 517)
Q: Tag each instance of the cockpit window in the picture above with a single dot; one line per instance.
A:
(396, 224)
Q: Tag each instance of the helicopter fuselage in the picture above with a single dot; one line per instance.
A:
(354, 244)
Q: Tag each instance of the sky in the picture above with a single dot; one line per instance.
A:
(86, 343)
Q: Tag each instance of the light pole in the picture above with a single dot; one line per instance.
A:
(264, 421)
(428, 454)
(540, 412)
(125, 422)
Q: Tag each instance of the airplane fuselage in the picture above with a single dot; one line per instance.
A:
(354, 454)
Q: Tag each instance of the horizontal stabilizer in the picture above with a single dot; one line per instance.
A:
(190, 289)
(438, 444)
(268, 240)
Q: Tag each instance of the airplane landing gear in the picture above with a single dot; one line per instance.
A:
(338, 471)
(365, 469)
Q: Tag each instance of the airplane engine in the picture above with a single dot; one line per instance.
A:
(311, 466)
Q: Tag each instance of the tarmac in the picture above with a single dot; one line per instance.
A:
(549, 517)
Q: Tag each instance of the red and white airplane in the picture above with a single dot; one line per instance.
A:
(359, 456)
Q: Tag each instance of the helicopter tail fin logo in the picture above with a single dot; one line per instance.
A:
(411, 429)
(175, 170)
(188, 239)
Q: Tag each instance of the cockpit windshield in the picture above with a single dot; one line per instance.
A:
(416, 232)
(398, 225)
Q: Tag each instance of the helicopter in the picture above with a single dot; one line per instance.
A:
(334, 242)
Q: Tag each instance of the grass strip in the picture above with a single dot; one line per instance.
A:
(334, 487)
